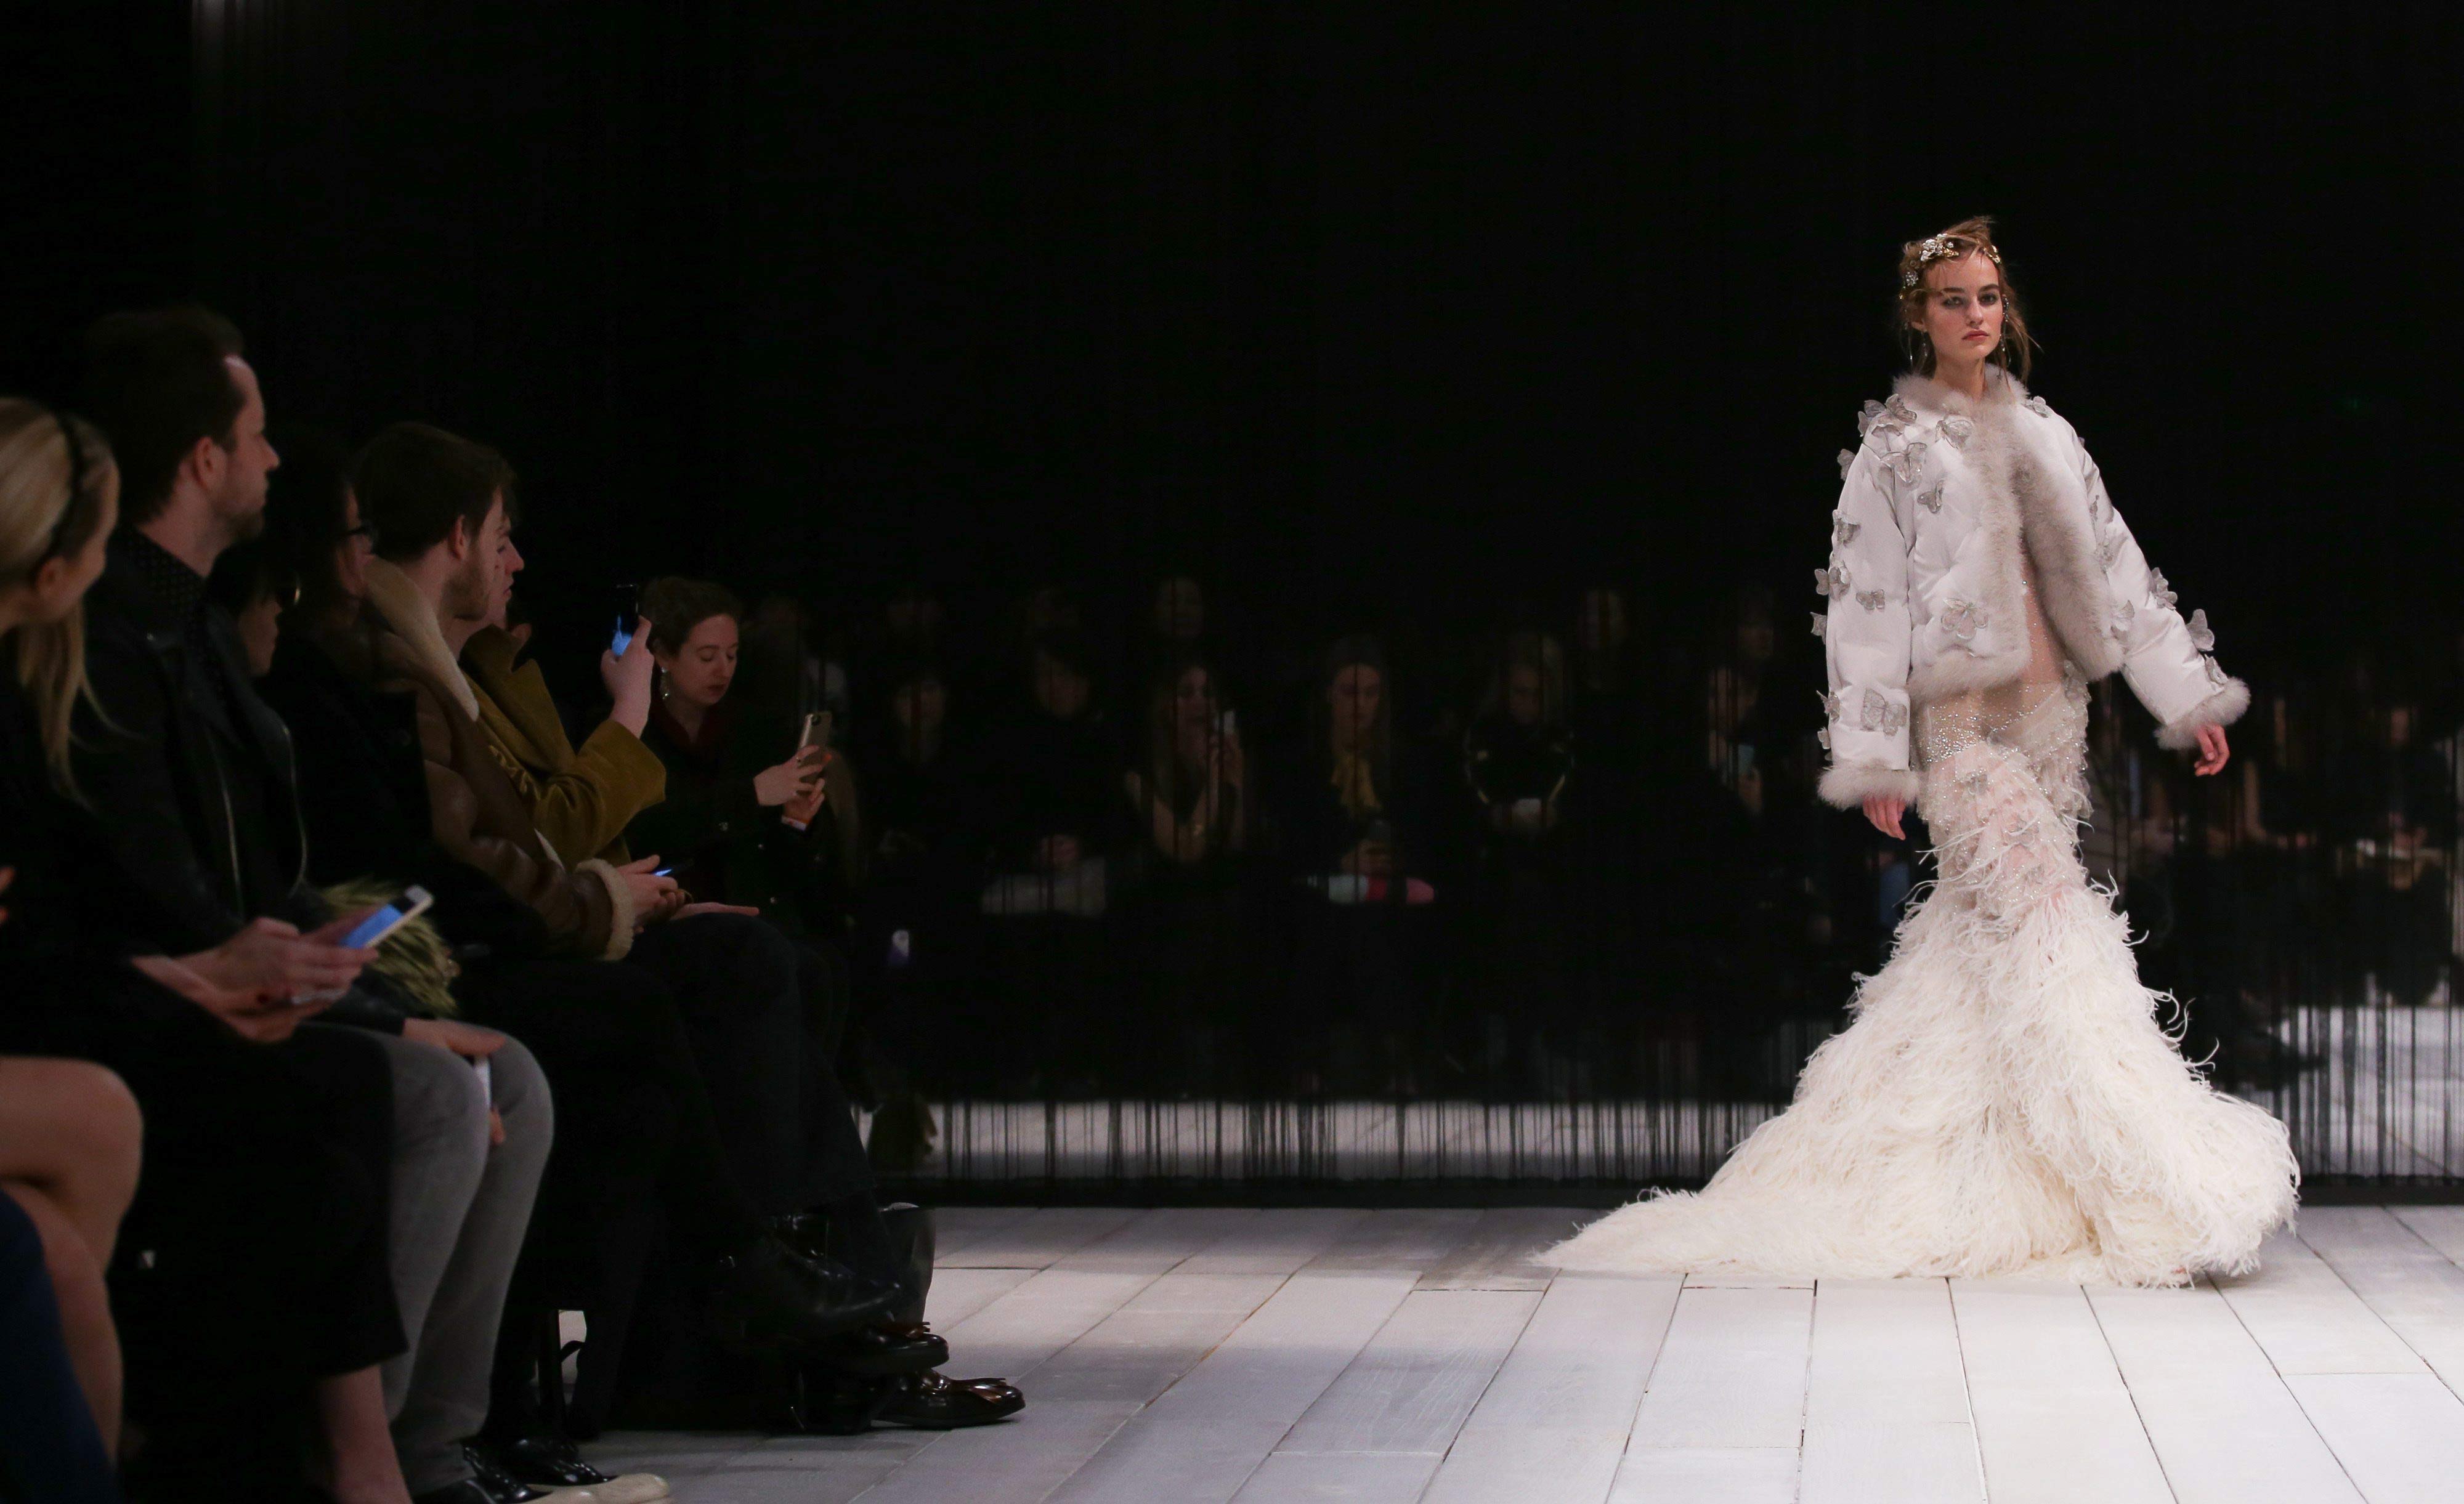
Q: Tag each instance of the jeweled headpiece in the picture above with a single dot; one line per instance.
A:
(1946, 247)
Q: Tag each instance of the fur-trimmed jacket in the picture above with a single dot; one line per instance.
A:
(1943, 503)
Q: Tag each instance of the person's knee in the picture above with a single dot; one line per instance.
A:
(74, 1270)
(438, 1102)
(519, 1091)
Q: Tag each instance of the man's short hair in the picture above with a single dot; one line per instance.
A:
(415, 481)
(156, 382)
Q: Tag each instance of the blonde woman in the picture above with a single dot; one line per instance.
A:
(2006, 1101)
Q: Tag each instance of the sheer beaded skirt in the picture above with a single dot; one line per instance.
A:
(2005, 1101)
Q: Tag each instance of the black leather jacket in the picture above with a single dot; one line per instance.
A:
(189, 770)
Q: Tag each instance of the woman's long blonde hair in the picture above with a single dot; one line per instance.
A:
(44, 516)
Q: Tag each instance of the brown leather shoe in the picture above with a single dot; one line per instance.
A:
(930, 1402)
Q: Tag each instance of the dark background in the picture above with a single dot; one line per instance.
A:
(1364, 311)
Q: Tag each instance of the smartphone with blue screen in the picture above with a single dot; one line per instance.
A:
(413, 901)
(628, 610)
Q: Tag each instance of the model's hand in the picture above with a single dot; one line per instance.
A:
(2214, 752)
(1884, 811)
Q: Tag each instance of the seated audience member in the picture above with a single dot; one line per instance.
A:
(1188, 801)
(69, 1138)
(1353, 831)
(445, 567)
(1519, 772)
(261, 1214)
(1519, 756)
(1058, 813)
(919, 937)
(191, 775)
(750, 817)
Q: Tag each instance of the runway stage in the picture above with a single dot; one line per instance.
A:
(1385, 1356)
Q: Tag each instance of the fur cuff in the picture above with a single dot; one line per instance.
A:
(620, 917)
(1848, 785)
(2220, 709)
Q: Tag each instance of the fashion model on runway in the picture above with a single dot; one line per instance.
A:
(2005, 1101)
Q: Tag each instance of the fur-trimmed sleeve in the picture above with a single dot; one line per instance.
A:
(1866, 638)
(2167, 658)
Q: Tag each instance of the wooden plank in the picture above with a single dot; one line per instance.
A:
(1156, 1241)
(2401, 1436)
(1553, 1427)
(1366, 1477)
(2226, 1428)
(1396, 1242)
(1279, 1242)
(1020, 1461)
(1412, 1387)
(2053, 1421)
(1868, 1461)
(956, 1229)
(1731, 1372)
(958, 1293)
(1135, 1353)
(1201, 1440)
(2442, 1228)
(2310, 1321)
(1728, 1475)
(1497, 1253)
(1044, 1315)
(1040, 1239)
(1885, 1350)
(808, 1470)
(2417, 1291)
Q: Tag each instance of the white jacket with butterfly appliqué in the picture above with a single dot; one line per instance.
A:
(1937, 503)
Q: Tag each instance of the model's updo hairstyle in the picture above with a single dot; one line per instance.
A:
(1964, 239)
(50, 507)
(675, 606)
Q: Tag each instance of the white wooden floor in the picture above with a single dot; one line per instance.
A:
(1181, 1356)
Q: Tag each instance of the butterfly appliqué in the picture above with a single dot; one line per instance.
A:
(1871, 599)
(1879, 713)
(1907, 464)
(1821, 624)
(2040, 406)
(1930, 500)
(1963, 620)
(1844, 532)
(1831, 581)
(2159, 591)
(2201, 638)
(2124, 614)
(1955, 430)
(1847, 457)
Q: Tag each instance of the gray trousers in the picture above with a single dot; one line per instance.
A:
(460, 1209)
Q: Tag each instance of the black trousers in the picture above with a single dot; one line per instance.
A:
(252, 1261)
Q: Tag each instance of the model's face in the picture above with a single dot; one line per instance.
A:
(700, 671)
(1354, 696)
(1059, 688)
(1962, 312)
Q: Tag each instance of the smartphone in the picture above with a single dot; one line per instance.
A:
(628, 610)
(817, 730)
(413, 901)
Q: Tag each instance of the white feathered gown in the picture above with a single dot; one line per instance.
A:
(2005, 1102)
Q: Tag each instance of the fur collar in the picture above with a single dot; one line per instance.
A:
(2033, 509)
(414, 623)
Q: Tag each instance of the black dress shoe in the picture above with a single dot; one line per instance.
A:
(489, 1477)
(770, 1296)
(932, 1403)
(552, 1461)
(884, 1348)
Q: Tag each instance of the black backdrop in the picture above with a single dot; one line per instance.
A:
(1364, 306)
